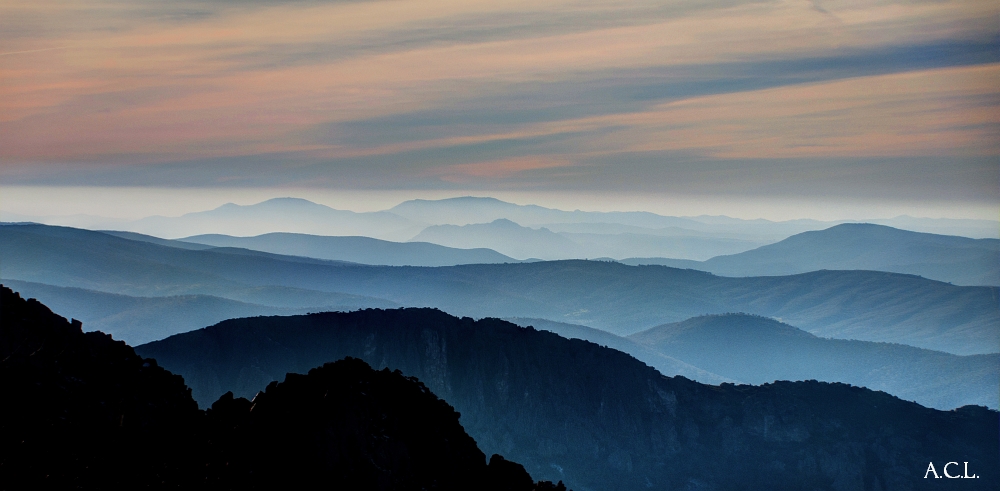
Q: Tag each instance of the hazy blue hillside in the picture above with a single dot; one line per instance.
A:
(156, 240)
(526, 242)
(362, 250)
(278, 215)
(598, 419)
(608, 228)
(958, 260)
(68, 257)
(756, 350)
(627, 245)
(505, 237)
(664, 364)
(622, 299)
(138, 320)
(977, 229)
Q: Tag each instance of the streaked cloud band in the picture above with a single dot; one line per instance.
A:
(487, 93)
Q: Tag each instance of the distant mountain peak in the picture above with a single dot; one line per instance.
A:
(289, 201)
(275, 203)
(457, 200)
(478, 199)
(858, 225)
(733, 323)
(869, 227)
(503, 222)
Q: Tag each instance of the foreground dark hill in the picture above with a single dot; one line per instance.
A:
(79, 406)
(597, 418)
(947, 258)
(346, 424)
(756, 350)
(82, 411)
(622, 299)
(363, 250)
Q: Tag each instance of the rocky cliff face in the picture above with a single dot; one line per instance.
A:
(597, 418)
(83, 411)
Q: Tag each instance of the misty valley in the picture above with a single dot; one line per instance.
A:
(470, 343)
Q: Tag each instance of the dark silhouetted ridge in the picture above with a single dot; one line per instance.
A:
(83, 411)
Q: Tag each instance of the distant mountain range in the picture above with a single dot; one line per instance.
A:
(595, 234)
(957, 260)
(363, 250)
(914, 314)
(931, 378)
(864, 305)
(276, 215)
(82, 411)
(525, 242)
(470, 210)
(758, 350)
(596, 418)
(856, 246)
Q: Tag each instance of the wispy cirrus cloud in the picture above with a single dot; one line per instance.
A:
(486, 93)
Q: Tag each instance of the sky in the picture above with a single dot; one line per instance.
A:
(775, 109)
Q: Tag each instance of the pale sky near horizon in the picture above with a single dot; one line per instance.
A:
(771, 108)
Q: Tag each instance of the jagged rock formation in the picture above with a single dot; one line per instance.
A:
(599, 419)
(83, 411)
